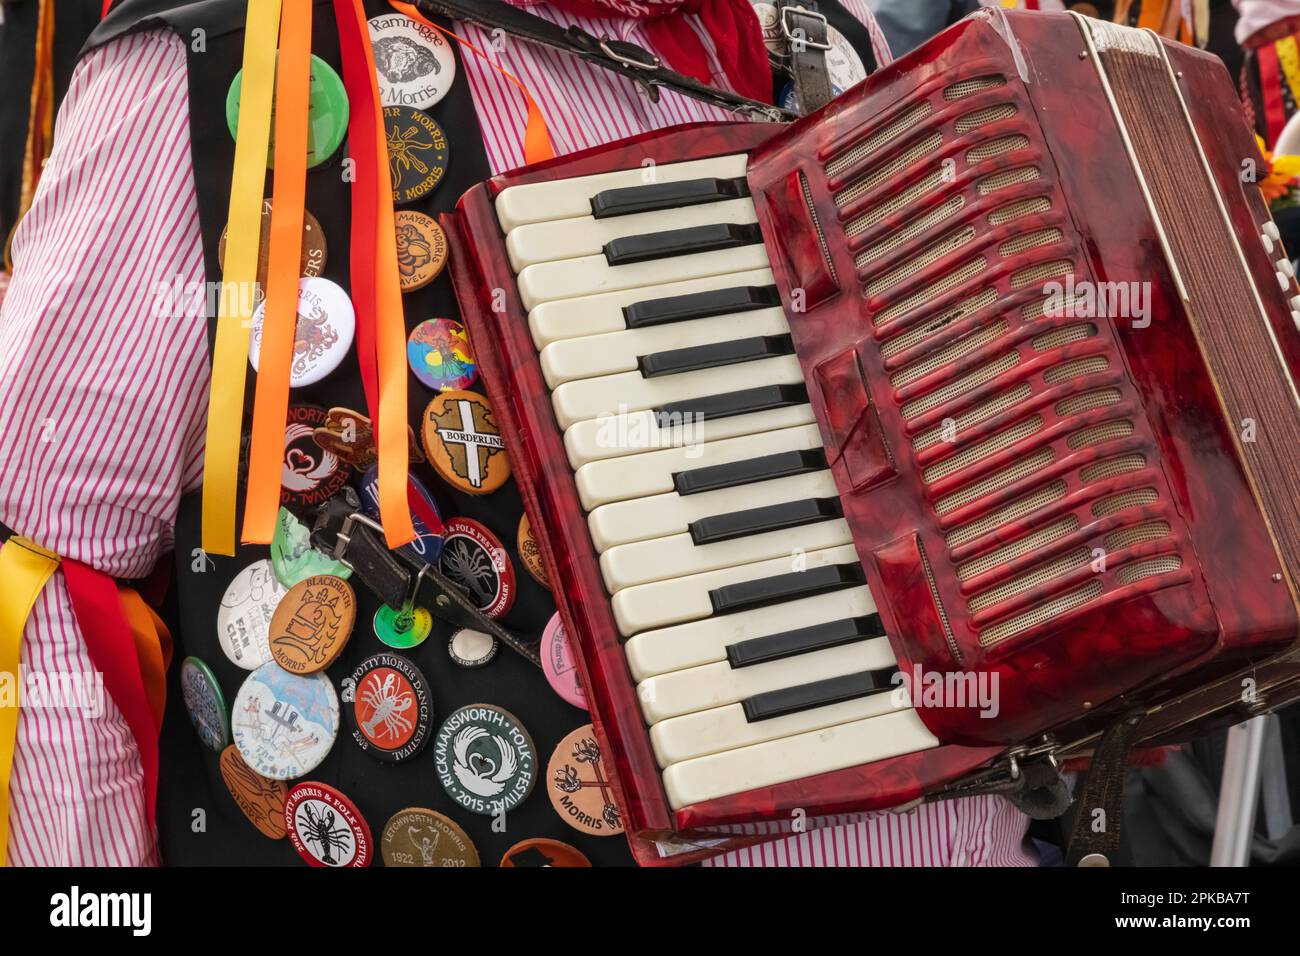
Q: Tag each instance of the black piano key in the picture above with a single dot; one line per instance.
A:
(626, 250)
(714, 355)
(733, 473)
(747, 595)
(700, 305)
(656, 196)
(775, 647)
(787, 514)
(743, 402)
(820, 693)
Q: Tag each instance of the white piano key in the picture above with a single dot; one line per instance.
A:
(615, 436)
(567, 198)
(651, 473)
(587, 235)
(592, 275)
(676, 556)
(793, 758)
(677, 648)
(613, 352)
(592, 315)
(715, 685)
(726, 728)
(624, 522)
(629, 391)
(679, 600)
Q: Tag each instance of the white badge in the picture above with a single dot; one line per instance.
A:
(415, 64)
(326, 325)
(244, 617)
(843, 64)
(283, 724)
(769, 21)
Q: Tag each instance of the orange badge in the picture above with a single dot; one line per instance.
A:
(579, 787)
(262, 800)
(312, 623)
(463, 443)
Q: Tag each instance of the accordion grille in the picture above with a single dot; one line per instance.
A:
(1014, 405)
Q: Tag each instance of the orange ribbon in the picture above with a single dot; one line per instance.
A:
(537, 137)
(280, 316)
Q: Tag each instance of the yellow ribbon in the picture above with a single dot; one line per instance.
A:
(1288, 59)
(24, 569)
(244, 224)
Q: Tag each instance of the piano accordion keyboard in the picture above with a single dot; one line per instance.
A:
(754, 639)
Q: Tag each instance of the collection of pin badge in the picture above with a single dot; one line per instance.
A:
(287, 618)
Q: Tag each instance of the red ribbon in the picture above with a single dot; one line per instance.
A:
(112, 650)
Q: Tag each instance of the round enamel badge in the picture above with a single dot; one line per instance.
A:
(415, 64)
(244, 617)
(312, 624)
(417, 153)
(392, 708)
(485, 759)
(473, 558)
(325, 827)
(421, 249)
(471, 648)
(283, 724)
(558, 664)
(314, 249)
(463, 442)
(323, 335)
(205, 703)
(311, 475)
(425, 516)
(579, 787)
(843, 64)
(439, 354)
(260, 799)
(420, 837)
(327, 113)
(540, 852)
(530, 553)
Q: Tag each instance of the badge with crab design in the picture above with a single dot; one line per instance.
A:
(392, 708)
(474, 558)
(325, 827)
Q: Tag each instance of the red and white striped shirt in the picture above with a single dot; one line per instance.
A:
(104, 410)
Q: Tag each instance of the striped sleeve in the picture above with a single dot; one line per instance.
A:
(103, 364)
(102, 388)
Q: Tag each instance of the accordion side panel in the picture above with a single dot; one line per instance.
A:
(1032, 461)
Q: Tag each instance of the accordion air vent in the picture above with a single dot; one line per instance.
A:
(1023, 428)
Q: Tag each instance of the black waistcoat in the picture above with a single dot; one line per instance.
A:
(190, 779)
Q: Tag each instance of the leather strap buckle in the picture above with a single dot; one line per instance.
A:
(607, 45)
(798, 35)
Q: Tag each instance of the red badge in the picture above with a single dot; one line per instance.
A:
(474, 558)
(325, 827)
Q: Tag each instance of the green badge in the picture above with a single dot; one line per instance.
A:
(403, 628)
(485, 759)
(293, 557)
(327, 113)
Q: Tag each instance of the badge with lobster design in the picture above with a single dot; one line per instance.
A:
(325, 827)
(392, 708)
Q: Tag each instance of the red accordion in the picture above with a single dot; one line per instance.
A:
(983, 377)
